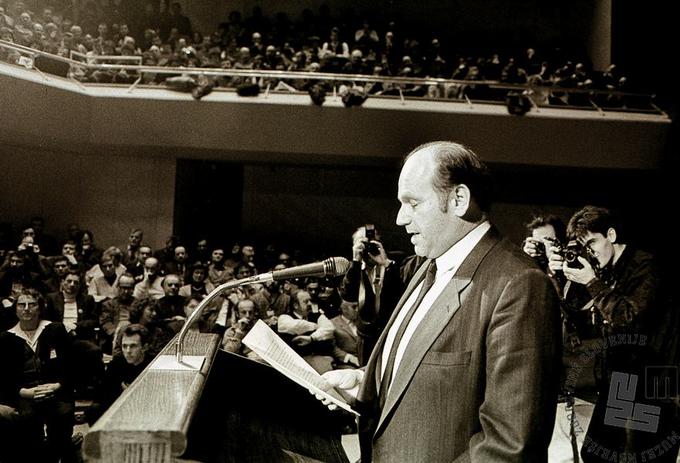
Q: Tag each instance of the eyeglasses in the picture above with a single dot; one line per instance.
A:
(27, 305)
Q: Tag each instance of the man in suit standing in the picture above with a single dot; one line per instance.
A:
(346, 336)
(466, 369)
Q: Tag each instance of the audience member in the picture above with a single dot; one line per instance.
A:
(308, 334)
(218, 272)
(35, 382)
(152, 283)
(105, 286)
(346, 336)
(172, 303)
(197, 286)
(126, 366)
(116, 311)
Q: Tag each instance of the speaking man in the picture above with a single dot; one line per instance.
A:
(467, 366)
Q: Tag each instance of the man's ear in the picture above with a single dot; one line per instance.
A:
(611, 235)
(459, 200)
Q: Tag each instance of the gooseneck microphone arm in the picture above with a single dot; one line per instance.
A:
(333, 266)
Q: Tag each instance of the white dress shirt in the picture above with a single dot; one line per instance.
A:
(447, 264)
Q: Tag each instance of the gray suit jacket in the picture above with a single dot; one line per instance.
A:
(479, 379)
(345, 339)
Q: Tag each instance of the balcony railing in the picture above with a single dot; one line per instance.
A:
(82, 68)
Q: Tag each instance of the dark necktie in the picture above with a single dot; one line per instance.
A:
(387, 376)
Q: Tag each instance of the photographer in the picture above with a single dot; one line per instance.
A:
(374, 283)
(611, 289)
(544, 232)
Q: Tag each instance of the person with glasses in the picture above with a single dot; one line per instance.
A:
(34, 382)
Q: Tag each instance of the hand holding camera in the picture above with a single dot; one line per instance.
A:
(534, 247)
(369, 248)
(583, 274)
(573, 260)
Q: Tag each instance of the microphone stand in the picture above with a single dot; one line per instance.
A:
(179, 344)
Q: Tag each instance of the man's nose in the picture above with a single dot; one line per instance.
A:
(403, 218)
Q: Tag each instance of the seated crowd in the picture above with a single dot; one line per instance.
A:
(80, 323)
(314, 43)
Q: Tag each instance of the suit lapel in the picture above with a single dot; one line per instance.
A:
(442, 310)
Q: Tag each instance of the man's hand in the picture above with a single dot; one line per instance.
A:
(358, 249)
(302, 340)
(348, 381)
(555, 261)
(381, 257)
(352, 360)
(531, 247)
(580, 275)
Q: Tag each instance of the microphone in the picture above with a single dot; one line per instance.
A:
(331, 267)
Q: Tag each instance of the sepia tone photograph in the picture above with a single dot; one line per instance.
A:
(338, 231)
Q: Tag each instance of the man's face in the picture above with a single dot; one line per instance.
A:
(171, 285)
(432, 231)
(244, 272)
(68, 249)
(545, 233)
(27, 308)
(246, 309)
(151, 266)
(325, 293)
(108, 269)
(303, 303)
(202, 246)
(135, 238)
(349, 310)
(217, 256)
(133, 350)
(601, 247)
(248, 253)
(60, 268)
(143, 253)
(16, 262)
(180, 254)
(313, 290)
(71, 284)
(126, 286)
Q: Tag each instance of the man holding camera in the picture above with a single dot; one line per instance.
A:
(621, 320)
(374, 283)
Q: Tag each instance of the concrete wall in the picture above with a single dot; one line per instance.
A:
(106, 194)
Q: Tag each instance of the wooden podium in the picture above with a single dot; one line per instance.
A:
(228, 409)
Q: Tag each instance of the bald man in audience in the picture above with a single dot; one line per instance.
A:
(152, 284)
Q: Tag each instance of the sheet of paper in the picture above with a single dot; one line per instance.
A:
(268, 345)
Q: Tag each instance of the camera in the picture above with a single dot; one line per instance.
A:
(371, 248)
(571, 252)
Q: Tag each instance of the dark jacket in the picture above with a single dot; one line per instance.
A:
(23, 368)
